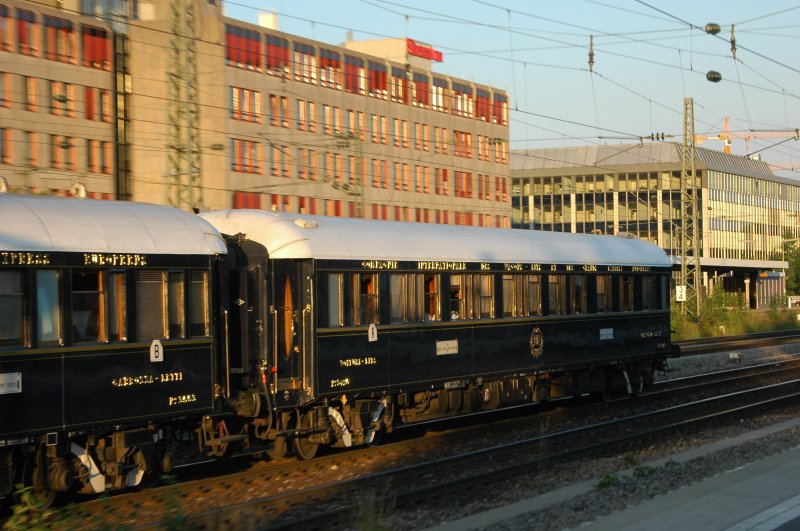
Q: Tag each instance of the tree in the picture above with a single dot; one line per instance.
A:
(792, 255)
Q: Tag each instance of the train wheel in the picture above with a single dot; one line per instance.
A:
(279, 448)
(41, 496)
(303, 447)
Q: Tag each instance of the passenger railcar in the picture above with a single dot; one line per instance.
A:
(363, 324)
(106, 335)
(132, 333)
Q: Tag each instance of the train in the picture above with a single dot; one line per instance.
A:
(133, 335)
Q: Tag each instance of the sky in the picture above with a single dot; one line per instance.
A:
(648, 56)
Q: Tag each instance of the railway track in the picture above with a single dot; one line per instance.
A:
(333, 484)
(718, 344)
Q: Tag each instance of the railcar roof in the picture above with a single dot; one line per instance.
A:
(58, 224)
(300, 236)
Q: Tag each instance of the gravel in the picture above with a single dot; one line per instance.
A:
(650, 482)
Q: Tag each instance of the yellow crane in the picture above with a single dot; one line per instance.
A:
(726, 136)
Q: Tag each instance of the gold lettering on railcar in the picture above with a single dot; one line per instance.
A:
(379, 264)
(14, 258)
(340, 382)
(553, 267)
(181, 399)
(590, 268)
(615, 269)
(358, 362)
(147, 379)
(442, 266)
(640, 269)
(570, 268)
(536, 267)
(486, 267)
(513, 267)
(103, 259)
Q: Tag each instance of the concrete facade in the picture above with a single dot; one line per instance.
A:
(212, 123)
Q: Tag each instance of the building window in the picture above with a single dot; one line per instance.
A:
(59, 42)
(420, 94)
(242, 47)
(246, 156)
(5, 145)
(377, 84)
(30, 94)
(305, 63)
(278, 63)
(27, 32)
(5, 29)
(245, 104)
(330, 69)
(354, 74)
(463, 103)
(105, 105)
(500, 114)
(483, 105)
(399, 90)
(62, 98)
(96, 48)
(440, 94)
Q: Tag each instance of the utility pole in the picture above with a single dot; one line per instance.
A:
(184, 177)
(688, 231)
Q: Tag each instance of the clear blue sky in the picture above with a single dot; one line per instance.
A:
(647, 58)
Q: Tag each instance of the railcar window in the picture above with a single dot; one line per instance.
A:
(534, 295)
(115, 299)
(366, 299)
(457, 310)
(335, 306)
(198, 304)
(626, 293)
(150, 305)
(11, 308)
(397, 295)
(510, 283)
(578, 291)
(484, 295)
(88, 306)
(431, 298)
(650, 298)
(605, 298)
(48, 317)
(175, 305)
(557, 294)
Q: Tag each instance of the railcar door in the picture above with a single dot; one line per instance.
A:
(293, 332)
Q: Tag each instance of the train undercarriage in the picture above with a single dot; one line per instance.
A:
(98, 463)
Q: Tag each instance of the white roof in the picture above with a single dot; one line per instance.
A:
(53, 224)
(300, 236)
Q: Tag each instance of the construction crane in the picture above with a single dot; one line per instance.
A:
(726, 136)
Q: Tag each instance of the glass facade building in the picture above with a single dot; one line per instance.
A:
(745, 212)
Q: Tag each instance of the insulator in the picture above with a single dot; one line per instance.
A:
(714, 76)
(712, 28)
